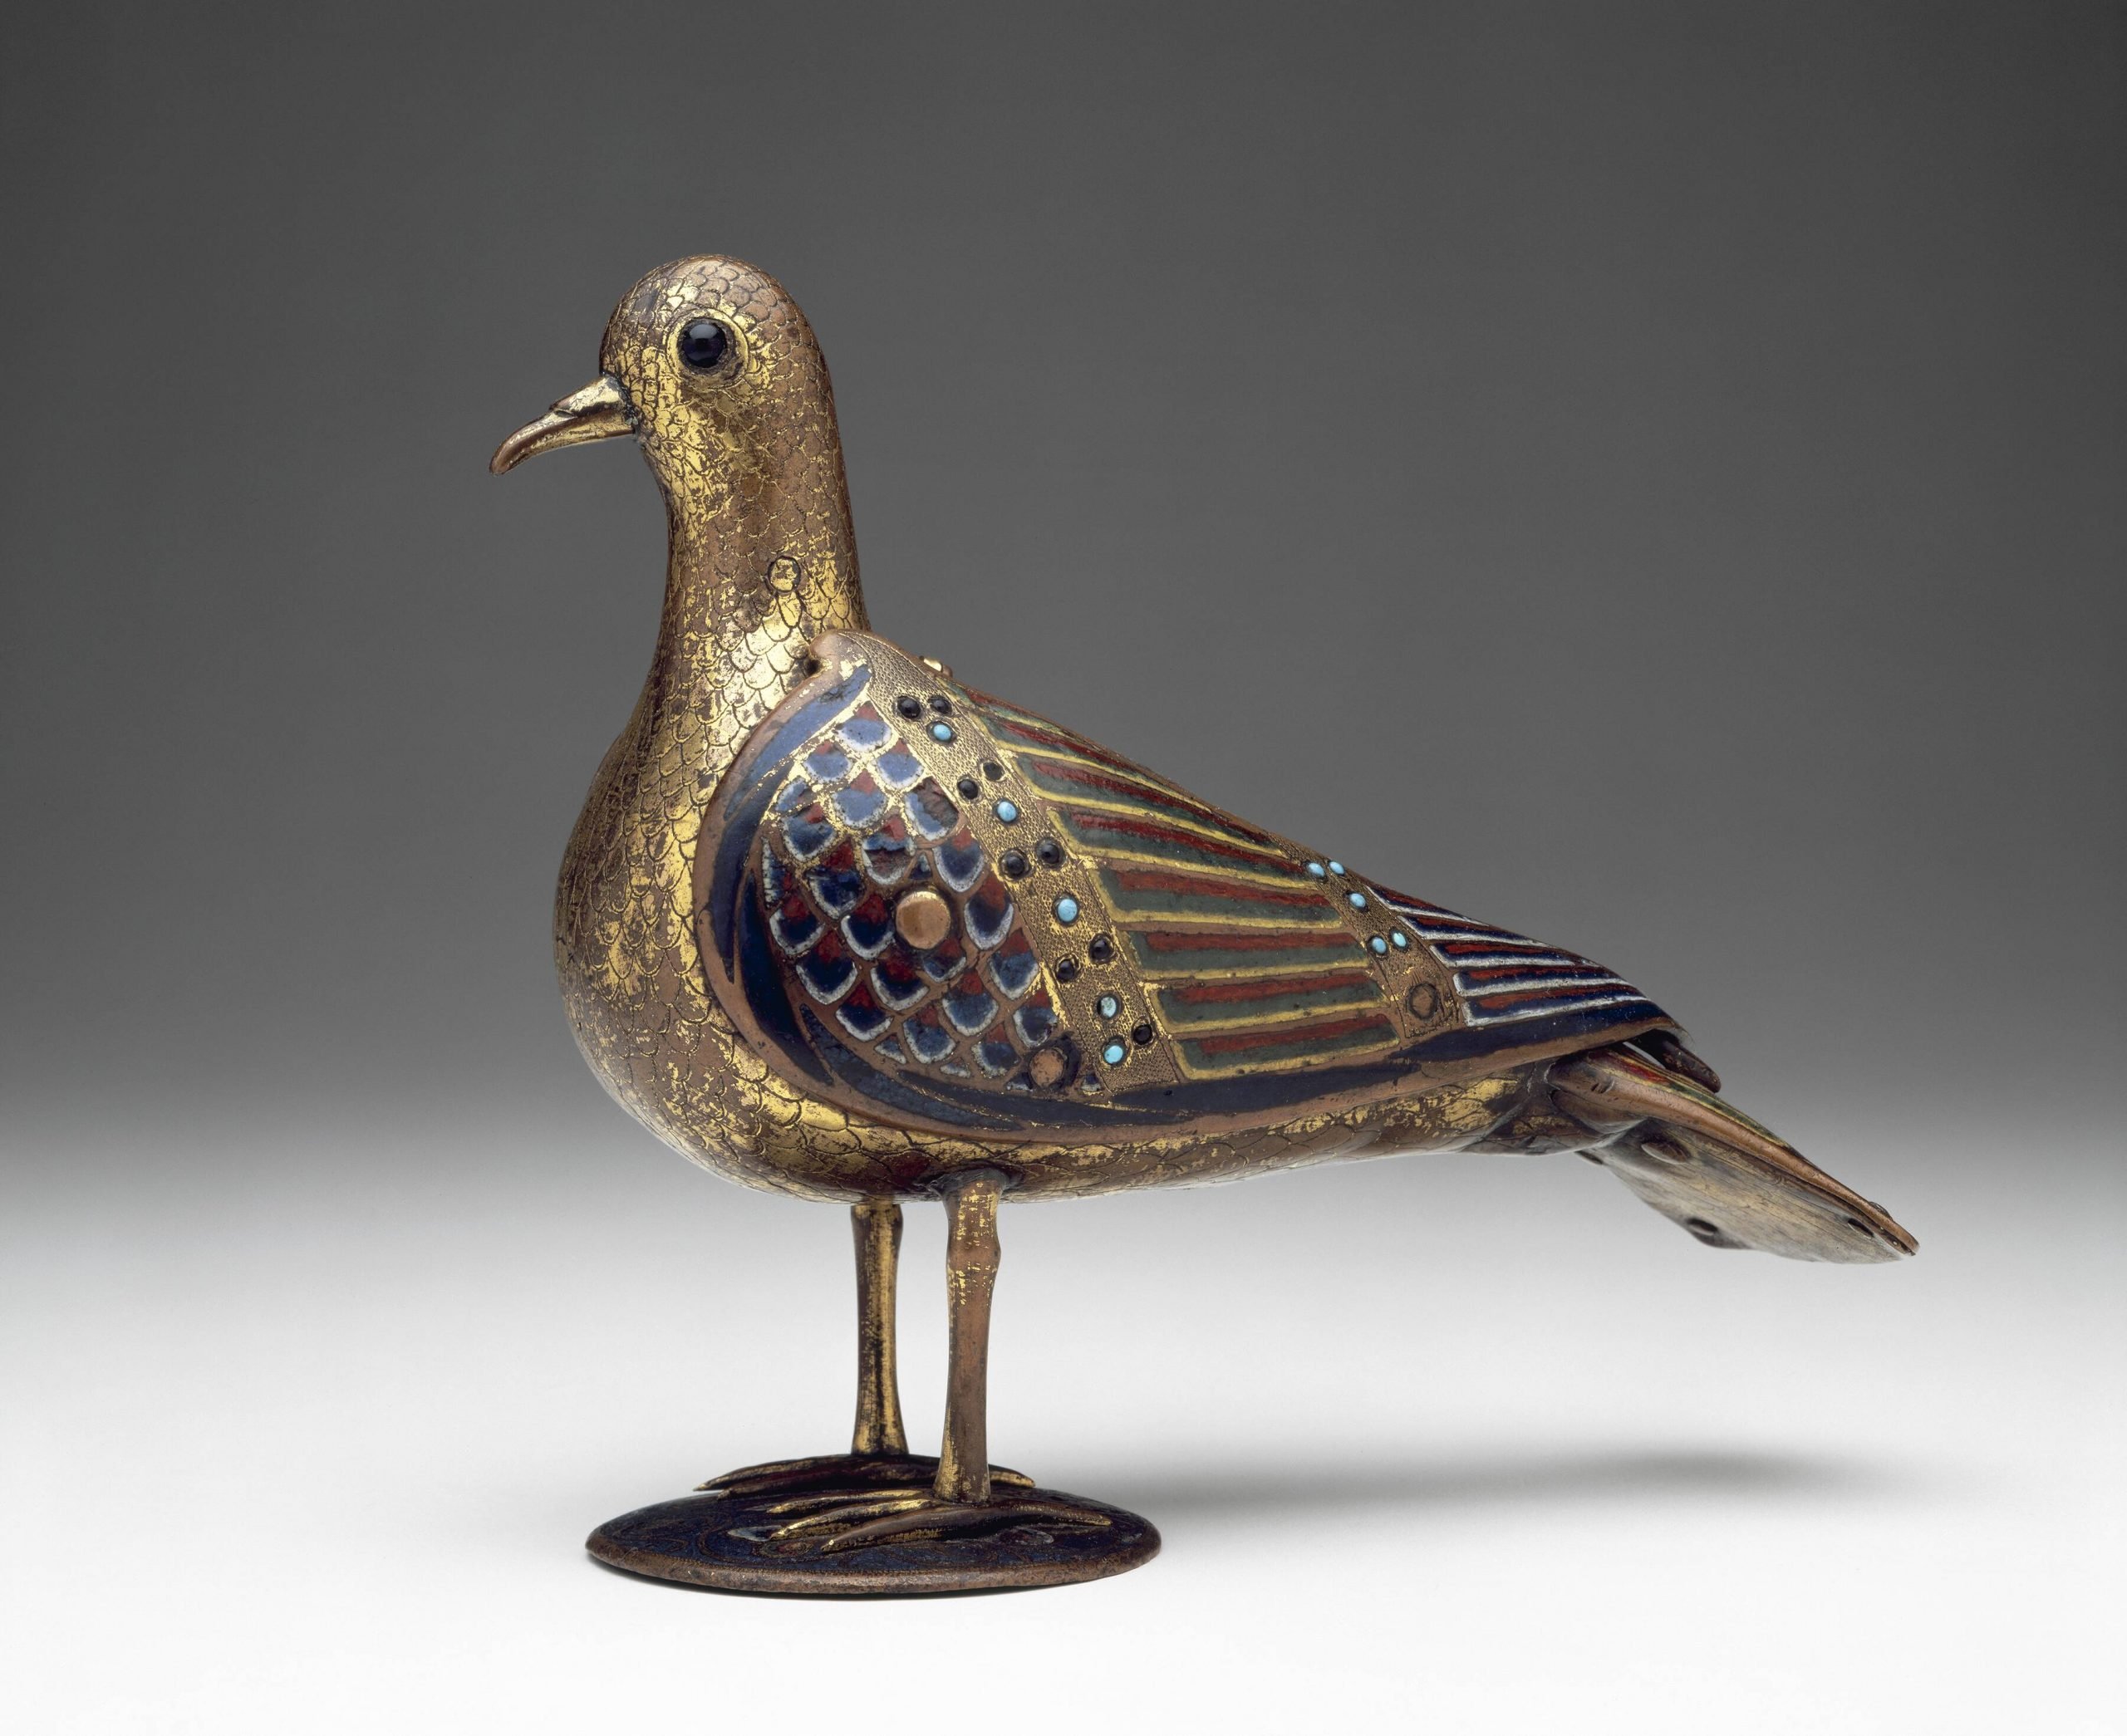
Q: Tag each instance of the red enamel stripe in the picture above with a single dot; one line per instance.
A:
(1192, 885)
(1263, 988)
(1486, 949)
(1416, 904)
(1576, 974)
(1445, 923)
(1286, 1036)
(1563, 992)
(1085, 820)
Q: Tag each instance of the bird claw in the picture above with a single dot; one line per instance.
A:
(832, 1510)
(934, 1518)
(842, 1476)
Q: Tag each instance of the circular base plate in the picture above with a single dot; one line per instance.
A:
(725, 1536)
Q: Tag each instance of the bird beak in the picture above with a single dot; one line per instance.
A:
(598, 412)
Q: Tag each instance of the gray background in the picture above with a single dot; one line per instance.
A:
(1649, 475)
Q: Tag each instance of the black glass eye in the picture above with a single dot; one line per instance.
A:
(703, 344)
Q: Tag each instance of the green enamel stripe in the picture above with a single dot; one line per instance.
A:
(1105, 840)
(1272, 1055)
(1180, 963)
(1253, 1010)
(1242, 907)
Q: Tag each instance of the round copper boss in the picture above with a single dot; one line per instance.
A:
(1046, 1068)
(923, 918)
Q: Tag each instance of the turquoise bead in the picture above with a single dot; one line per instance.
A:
(1114, 1054)
(1067, 910)
(1008, 811)
(1109, 1006)
(1379, 945)
(1315, 868)
(1336, 867)
(941, 732)
(1401, 938)
(1356, 900)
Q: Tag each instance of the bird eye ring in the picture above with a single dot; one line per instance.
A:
(705, 345)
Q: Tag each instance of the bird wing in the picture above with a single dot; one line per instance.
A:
(1120, 954)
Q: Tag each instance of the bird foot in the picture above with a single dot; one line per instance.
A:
(847, 1500)
(826, 1523)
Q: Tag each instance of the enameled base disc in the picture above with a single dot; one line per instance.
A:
(737, 1535)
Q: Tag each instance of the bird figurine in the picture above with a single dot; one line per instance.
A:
(836, 924)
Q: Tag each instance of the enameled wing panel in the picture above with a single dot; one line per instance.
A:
(1119, 953)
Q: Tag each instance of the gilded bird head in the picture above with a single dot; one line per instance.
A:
(709, 363)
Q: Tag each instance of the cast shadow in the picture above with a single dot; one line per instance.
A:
(1317, 1486)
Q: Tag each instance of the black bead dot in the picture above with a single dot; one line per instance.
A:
(1048, 853)
(908, 706)
(704, 343)
(969, 789)
(1014, 862)
(1141, 1035)
(1101, 950)
(942, 705)
(1066, 969)
(992, 771)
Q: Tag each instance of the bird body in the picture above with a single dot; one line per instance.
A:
(757, 572)
(835, 924)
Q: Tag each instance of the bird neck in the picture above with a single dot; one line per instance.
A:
(747, 589)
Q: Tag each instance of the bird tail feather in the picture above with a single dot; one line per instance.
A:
(1703, 1164)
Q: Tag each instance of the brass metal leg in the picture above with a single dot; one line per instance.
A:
(876, 1224)
(971, 1252)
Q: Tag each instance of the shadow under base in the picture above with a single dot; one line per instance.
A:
(810, 1527)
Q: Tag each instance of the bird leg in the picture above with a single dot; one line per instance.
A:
(876, 1224)
(967, 1497)
(878, 1456)
(879, 1472)
(971, 1254)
